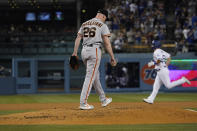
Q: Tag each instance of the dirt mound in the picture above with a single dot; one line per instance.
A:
(115, 113)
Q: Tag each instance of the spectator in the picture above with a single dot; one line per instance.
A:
(119, 42)
(178, 33)
(185, 32)
(195, 34)
(138, 37)
(139, 18)
(150, 4)
(133, 7)
(130, 36)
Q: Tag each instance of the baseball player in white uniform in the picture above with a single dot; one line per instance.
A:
(161, 60)
(94, 32)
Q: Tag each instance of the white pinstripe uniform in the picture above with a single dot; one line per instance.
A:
(92, 31)
(162, 74)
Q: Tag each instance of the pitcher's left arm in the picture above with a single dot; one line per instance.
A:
(168, 61)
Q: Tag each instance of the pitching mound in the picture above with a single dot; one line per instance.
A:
(115, 113)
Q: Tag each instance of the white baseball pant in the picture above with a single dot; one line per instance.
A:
(91, 57)
(163, 78)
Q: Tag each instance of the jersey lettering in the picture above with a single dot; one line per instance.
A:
(89, 32)
(92, 31)
(92, 23)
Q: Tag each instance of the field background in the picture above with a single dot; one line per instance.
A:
(74, 98)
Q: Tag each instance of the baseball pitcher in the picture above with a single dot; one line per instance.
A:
(94, 33)
(161, 60)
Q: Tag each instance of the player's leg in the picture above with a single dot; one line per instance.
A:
(156, 86)
(164, 75)
(99, 90)
(92, 66)
(98, 87)
(85, 58)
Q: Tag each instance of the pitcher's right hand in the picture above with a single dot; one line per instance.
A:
(113, 62)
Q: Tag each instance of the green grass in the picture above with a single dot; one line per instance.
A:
(74, 98)
(155, 127)
(13, 112)
(195, 109)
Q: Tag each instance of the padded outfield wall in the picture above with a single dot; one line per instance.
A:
(53, 74)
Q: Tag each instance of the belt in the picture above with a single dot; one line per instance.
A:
(159, 69)
(91, 45)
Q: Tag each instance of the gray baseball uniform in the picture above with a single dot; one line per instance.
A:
(92, 32)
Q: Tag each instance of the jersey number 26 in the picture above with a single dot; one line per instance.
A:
(89, 32)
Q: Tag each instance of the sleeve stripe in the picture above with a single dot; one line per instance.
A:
(80, 34)
(107, 35)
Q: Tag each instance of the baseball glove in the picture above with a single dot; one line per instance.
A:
(74, 62)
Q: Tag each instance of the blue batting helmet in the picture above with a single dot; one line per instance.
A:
(156, 44)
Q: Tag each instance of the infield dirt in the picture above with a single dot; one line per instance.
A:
(115, 113)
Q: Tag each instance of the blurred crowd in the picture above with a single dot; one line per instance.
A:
(131, 22)
(35, 28)
(136, 22)
(139, 22)
(186, 24)
(28, 33)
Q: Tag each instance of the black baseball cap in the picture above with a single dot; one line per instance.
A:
(104, 12)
